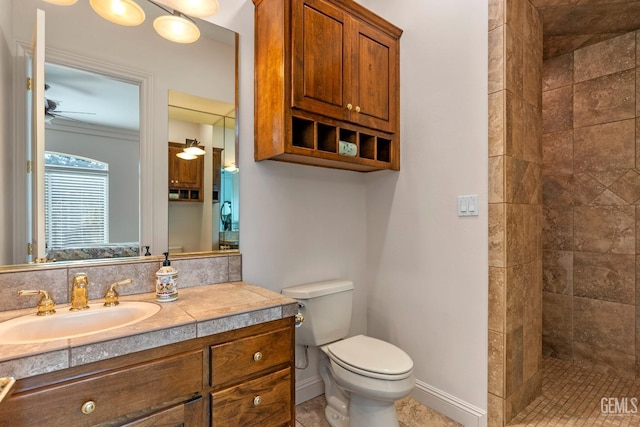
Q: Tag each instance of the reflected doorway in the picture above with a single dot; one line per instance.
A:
(203, 201)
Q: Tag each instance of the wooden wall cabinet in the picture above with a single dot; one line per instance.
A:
(326, 71)
(238, 378)
(186, 177)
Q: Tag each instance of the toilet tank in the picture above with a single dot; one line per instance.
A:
(326, 307)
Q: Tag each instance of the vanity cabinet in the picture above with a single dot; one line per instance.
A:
(186, 177)
(327, 71)
(238, 378)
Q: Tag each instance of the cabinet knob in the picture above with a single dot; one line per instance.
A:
(349, 107)
(257, 400)
(88, 407)
(357, 109)
(257, 356)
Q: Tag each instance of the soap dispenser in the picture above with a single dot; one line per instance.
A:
(166, 281)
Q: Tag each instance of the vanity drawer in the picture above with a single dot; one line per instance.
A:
(263, 402)
(242, 358)
(113, 393)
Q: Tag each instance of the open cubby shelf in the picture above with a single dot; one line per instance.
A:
(184, 195)
(326, 138)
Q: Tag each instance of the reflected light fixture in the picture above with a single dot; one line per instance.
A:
(62, 2)
(231, 168)
(121, 12)
(193, 148)
(177, 28)
(197, 8)
(186, 156)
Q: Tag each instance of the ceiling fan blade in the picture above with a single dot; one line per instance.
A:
(74, 112)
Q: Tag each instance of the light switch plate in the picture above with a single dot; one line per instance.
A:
(468, 205)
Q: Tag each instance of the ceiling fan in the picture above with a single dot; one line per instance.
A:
(51, 109)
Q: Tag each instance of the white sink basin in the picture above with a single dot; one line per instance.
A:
(70, 324)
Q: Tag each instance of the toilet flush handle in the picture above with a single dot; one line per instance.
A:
(299, 316)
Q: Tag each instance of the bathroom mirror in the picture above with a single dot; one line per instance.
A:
(76, 37)
(201, 209)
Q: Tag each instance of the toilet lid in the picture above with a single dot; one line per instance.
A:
(371, 357)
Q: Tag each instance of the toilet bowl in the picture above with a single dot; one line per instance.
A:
(363, 376)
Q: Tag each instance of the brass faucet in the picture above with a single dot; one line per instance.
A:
(79, 292)
(46, 306)
(111, 297)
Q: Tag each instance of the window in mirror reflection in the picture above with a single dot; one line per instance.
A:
(76, 203)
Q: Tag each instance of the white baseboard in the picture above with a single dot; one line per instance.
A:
(309, 388)
(458, 410)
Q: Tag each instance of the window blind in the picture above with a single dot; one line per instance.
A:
(76, 207)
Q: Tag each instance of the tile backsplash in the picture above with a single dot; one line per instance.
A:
(56, 279)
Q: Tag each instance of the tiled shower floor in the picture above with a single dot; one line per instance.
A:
(572, 396)
(410, 414)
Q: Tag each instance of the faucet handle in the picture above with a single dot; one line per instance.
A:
(46, 306)
(111, 296)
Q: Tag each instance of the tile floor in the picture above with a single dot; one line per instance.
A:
(410, 414)
(572, 396)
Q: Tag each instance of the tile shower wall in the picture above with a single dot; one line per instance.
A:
(515, 208)
(56, 279)
(591, 197)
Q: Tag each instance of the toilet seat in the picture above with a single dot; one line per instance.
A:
(371, 357)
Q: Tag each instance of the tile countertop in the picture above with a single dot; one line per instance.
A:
(198, 312)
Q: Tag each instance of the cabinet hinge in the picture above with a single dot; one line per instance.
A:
(28, 166)
(29, 248)
(28, 83)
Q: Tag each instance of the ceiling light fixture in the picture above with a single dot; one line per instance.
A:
(197, 8)
(62, 2)
(177, 27)
(193, 147)
(121, 12)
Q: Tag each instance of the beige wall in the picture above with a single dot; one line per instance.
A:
(515, 290)
(6, 132)
(591, 181)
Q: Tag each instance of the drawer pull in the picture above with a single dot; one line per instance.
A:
(88, 407)
(257, 356)
(257, 400)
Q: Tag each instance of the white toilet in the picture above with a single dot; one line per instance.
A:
(363, 376)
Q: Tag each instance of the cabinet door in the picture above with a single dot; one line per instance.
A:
(375, 79)
(321, 53)
(217, 177)
(171, 417)
(184, 173)
(188, 414)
